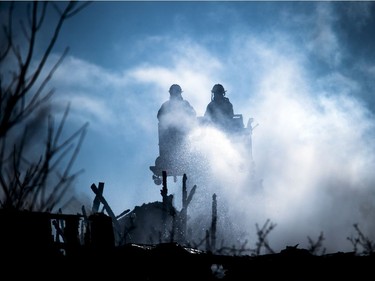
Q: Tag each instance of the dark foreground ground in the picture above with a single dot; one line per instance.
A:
(171, 261)
(30, 249)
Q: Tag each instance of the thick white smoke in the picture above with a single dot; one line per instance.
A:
(313, 166)
(313, 150)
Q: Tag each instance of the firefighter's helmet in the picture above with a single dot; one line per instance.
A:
(218, 89)
(175, 89)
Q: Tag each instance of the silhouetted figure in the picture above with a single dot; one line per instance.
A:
(176, 109)
(176, 118)
(220, 110)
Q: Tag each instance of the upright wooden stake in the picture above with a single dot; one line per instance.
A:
(184, 208)
(164, 194)
(213, 222)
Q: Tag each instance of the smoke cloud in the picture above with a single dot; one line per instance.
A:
(309, 168)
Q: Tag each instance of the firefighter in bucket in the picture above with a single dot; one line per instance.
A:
(176, 119)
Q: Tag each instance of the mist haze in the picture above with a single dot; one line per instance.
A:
(303, 70)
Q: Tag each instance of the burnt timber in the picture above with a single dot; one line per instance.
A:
(28, 241)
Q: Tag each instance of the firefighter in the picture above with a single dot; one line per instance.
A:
(176, 118)
(175, 109)
(219, 111)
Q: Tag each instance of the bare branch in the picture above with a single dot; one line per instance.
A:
(8, 33)
(41, 181)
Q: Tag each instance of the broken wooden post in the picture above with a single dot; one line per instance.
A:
(213, 222)
(164, 194)
(101, 232)
(109, 211)
(186, 199)
(164, 190)
(184, 208)
(208, 244)
(96, 203)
